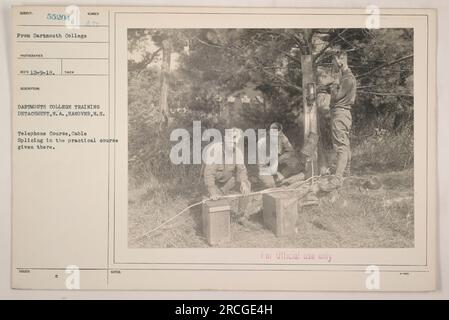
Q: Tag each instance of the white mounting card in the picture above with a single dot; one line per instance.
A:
(113, 115)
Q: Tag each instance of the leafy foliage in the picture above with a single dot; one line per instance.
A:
(211, 65)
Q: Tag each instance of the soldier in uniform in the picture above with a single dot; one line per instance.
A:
(223, 177)
(287, 163)
(342, 98)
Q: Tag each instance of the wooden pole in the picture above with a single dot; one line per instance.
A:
(310, 117)
(165, 70)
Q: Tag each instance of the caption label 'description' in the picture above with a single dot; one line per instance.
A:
(49, 140)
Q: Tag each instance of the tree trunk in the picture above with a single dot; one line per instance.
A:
(165, 70)
(310, 118)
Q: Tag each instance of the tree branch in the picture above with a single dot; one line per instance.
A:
(329, 44)
(287, 83)
(299, 42)
(287, 54)
(257, 66)
(208, 43)
(149, 57)
(384, 65)
(386, 94)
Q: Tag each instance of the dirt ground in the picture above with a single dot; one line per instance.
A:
(352, 217)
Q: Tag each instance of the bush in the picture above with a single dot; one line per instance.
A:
(383, 151)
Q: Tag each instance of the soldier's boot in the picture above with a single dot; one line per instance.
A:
(332, 183)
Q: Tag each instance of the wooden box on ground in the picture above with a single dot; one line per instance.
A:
(216, 219)
(280, 212)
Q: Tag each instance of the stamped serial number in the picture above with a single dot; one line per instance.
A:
(58, 16)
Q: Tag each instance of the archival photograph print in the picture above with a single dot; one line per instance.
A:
(270, 138)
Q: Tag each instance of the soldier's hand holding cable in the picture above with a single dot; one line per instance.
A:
(215, 194)
(245, 187)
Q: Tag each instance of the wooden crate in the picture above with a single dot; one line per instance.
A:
(280, 212)
(216, 220)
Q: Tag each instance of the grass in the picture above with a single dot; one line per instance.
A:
(353, 217)
(383, 153)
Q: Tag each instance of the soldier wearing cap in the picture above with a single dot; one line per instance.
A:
(287, 163)
(222, 175)
(342, 98)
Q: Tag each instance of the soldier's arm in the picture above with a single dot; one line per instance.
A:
(242, 175)
(262, 148)
(286, 145)
(346, 86)
(209, 179)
